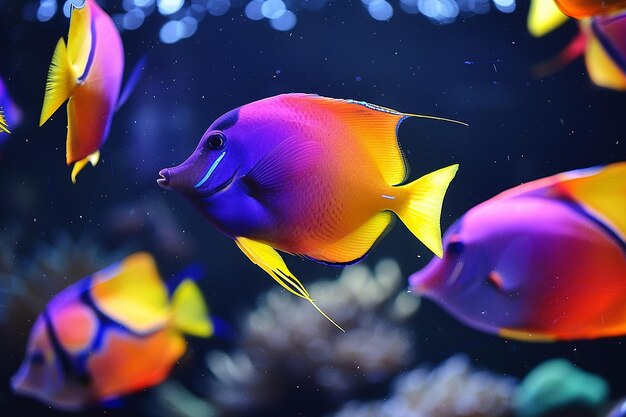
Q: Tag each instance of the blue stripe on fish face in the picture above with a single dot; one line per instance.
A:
(92, 52)
(211, 169)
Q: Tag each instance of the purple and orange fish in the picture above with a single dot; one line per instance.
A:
(88, 72)
(542, 261)
(110, 334)
(310, 176)
(601, 40)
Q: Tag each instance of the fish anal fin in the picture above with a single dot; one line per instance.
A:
(60, 84)
(131, 293)
(271, 262)
(79, 165)
(356, 245)
(526, 335)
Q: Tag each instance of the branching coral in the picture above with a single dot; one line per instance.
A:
(453, 389)
(288, 348)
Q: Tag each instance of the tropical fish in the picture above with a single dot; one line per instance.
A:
(308, 175)
(600, 40)
(111, 333)
(542, 261)
(10, 113)
(88, 72)
(579, 9)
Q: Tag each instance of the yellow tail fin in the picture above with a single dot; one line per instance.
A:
(422, 211)
(190, 311)
(61, 82)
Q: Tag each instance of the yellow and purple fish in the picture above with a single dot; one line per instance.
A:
(310, 176)
(88, 72)
(601, 40)
(4, 127)
(542, 261)
(111, 333)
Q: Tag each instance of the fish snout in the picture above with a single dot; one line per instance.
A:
(166, 176)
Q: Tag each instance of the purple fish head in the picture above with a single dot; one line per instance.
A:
(446, 276)
(211, 168)
(43, 376)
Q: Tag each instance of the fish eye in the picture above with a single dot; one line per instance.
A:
(37, 358)
(216, 141)
(456, 247)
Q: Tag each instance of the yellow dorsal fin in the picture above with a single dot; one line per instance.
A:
(270, 261)
(543, 17)
(190, 311)
(60, 84)
(375, 127)
(602, 191)
(131, 292)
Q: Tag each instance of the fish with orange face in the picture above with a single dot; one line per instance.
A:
(112, 333)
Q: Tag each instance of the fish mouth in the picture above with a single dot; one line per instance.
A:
(164, 179)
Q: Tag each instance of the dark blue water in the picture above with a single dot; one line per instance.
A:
(476, 69)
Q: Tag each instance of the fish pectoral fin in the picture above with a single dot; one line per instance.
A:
(356, 245)
(79, 165)
(271, 262)
(284, 164)
(60, 84)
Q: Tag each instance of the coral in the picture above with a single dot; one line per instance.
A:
(453, 389)
(287, 347)
(29, 283)
(558, 383)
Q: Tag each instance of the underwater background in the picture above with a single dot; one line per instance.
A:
(218, 55)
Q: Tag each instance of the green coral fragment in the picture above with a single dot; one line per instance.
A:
(555, 384)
